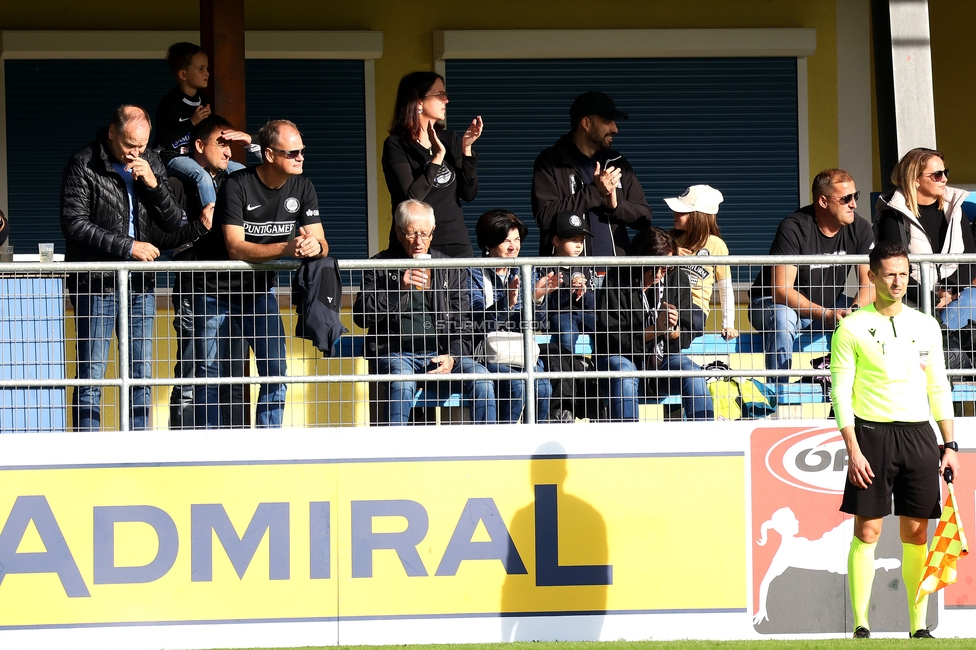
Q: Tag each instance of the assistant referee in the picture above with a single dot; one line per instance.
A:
(889, 381)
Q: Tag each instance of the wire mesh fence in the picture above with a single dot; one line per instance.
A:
(137, 346)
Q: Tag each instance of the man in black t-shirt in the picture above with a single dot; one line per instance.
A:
(263, 213)
(788, 298)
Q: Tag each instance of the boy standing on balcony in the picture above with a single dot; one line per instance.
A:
(179, 111)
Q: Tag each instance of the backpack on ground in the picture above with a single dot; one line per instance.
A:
(739, 398)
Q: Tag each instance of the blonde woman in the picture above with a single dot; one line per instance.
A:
(925, 214)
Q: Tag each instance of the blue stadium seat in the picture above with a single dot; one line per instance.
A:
(807, 342)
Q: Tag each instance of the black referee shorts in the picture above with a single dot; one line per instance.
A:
(905, 459)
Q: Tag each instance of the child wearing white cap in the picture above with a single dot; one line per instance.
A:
(696, 231)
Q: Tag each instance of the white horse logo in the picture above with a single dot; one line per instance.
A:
(829, 553)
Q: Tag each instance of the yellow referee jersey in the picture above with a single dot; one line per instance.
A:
(889, 369)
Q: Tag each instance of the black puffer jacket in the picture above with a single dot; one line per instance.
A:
(95, 211)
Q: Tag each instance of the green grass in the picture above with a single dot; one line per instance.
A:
(771, 644)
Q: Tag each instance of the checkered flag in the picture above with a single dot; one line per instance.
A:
(948, 545)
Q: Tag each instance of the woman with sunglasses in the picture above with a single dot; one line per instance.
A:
(926, 216)
(424, 161)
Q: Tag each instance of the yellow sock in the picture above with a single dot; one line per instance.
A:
(860, 579)
(912, 568)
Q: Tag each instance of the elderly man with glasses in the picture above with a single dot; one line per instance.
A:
(788, 298)
(415, 321)
(263, 213)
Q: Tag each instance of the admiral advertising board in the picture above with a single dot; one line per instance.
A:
(220, 539)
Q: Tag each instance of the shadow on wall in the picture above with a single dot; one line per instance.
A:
(571, 574)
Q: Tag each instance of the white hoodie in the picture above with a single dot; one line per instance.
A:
(919, 240)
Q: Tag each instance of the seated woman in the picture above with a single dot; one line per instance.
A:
(496, 303)
(697, 234)
(926, 215)
(643, 322)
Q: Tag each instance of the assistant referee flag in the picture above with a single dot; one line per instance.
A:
(948, 545)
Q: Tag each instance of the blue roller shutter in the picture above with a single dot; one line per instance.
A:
(727, 122)
(55, 107)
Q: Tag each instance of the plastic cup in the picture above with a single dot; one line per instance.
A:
(45, 253)
(422, 256)
(6, 253)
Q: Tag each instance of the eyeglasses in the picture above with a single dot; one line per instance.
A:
(414, 236)
(441, 95)
(847, 198)
(290, 155)
(939, 176)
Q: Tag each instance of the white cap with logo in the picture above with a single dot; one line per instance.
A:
(697, 198)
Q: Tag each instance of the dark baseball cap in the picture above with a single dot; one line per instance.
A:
(569, 224)
(595, 103)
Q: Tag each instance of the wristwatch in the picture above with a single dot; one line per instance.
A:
(952, 444)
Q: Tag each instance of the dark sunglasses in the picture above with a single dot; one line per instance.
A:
(847, 198)
(939, 176)
(290, 155)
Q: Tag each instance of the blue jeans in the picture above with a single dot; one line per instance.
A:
(696, 401)
(569, 325)
(698, 319)
(233, 351)
(96, 315)
(479, 393)
(958, 313)
(780, 326)
(510, 395)
(258, 318)
(187, 169)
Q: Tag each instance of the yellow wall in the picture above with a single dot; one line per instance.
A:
(954, 73)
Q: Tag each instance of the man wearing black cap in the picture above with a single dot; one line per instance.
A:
(582, 174)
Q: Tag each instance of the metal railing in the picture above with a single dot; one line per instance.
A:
(13, 379)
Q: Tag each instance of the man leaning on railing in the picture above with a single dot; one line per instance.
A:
(263, 213)
(788, 298)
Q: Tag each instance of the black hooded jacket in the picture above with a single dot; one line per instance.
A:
(621, 316)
